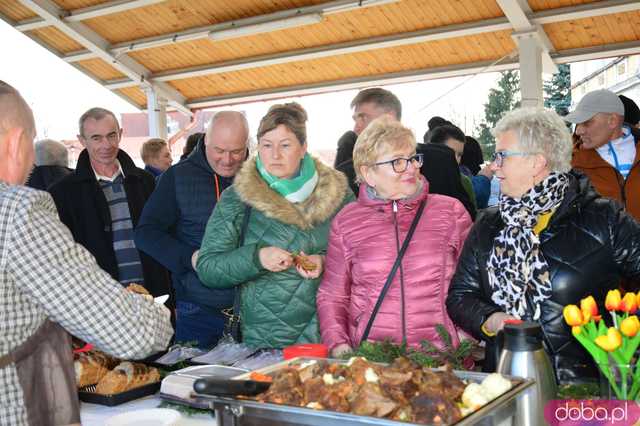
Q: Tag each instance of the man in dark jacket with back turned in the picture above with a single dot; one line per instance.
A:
(174, 220)
(101, 202)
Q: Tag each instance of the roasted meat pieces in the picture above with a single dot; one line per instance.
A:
(401, 391)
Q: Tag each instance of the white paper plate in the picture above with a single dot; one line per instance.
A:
(150, 417)
(161, 299)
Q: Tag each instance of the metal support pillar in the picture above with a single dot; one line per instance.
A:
(530, 54)
(156, 114)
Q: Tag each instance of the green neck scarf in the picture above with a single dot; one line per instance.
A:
(297, 189)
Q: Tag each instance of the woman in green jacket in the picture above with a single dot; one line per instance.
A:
(292, 198)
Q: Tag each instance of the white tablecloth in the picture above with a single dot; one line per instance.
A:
(97, 415)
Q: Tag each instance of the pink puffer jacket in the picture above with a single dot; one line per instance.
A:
(361, 252)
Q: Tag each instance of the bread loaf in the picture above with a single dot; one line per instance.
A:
(125, 376)
(92, 366)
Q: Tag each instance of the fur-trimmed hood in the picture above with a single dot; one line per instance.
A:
(323, 202)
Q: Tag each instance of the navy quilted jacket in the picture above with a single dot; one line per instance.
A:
(589, 244)
(173, 223)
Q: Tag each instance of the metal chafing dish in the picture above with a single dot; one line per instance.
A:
(247, 412)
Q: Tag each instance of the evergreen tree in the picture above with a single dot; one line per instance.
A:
(558, 90)
(502, 99)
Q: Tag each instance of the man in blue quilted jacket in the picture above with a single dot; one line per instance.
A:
(175, 217)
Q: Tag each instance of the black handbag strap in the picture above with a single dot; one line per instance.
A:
(393, 271)
(235, 315)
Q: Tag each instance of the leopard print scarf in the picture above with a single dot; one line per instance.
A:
(516, 261)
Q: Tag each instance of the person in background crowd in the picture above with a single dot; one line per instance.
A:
(175, 217)
(51, 284)
(190, 145)
(290, 199)
(453, 138)
(156, 156)
(607, 148)
(552, 242)
(52, 164)
(368, 105)
(101, 202)
(472, 159)
(435, 121)
(365, 239)
(631, 112)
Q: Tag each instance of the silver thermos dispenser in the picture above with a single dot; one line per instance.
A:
(523, 355)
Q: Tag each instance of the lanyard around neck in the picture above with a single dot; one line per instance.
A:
(612, 151)
(217, 187)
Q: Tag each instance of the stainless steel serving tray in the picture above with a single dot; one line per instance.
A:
(244, 412)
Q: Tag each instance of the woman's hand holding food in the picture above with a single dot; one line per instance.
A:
(309, 266)
(275, 259)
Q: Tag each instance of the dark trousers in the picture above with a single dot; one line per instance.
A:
(198, 324)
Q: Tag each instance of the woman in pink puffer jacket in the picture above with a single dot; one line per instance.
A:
(365, 238)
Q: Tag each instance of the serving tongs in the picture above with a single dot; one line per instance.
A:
(229, 387)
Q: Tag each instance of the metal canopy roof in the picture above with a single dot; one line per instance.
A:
(212, 52)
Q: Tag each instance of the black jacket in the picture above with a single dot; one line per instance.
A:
(441, 170)
(173, 223)
(42, 177)
(344, 158)
(83, 207)
(589, 244)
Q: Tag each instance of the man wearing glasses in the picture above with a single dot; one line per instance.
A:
(101, 202)
(606, 148)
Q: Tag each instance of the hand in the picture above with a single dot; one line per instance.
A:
(340, 350)
(275, 259)
(318, 259)
(495, 322)
(194, 259)
(486, 171)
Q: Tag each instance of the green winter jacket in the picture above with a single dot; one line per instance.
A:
(278, 309)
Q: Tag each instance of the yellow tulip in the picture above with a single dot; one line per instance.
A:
(613, 300)
(572, 315)
(629, 303)
(630, 326)
(589, 309)
(589, 304)
(611, 341)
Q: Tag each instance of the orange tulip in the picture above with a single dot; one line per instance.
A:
(629, 303)
(589, 309)
(611, 341)
(572, 315)
(630, 326)
(613, 300)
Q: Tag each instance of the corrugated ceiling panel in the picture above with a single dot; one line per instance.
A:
(406, 16)
(57, 39)
(15, 11)
(595, 31)
(537, 5)
(172, 16)
(136, 95)
(377, 62)
(101, 69)
(78, 4)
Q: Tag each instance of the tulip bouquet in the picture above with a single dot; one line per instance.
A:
(613, 348)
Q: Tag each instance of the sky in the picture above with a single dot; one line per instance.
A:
(58, 94)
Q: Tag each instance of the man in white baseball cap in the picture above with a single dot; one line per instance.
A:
(606, 148)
